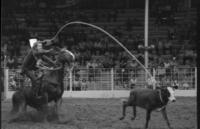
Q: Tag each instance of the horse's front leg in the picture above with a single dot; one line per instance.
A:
(57, 109)
(44, 107)
(57, 105)
(58, 100)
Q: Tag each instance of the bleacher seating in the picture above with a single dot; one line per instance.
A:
(44, 29)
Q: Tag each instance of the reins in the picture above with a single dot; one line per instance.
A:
(161, 99)
(50, 69)
(160, 96)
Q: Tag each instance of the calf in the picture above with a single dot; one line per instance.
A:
(150, 100)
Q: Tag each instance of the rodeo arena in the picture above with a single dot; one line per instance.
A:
(99, 64)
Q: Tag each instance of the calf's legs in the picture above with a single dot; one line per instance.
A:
(125, 104)
(134, 113)
(148, 116)
(163, 111)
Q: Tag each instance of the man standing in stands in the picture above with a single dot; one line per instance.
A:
(151, 83)
(2, 83)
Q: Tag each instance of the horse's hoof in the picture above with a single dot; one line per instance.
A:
(121, 118)
(132, 118)
(12, 120)
(45, 121)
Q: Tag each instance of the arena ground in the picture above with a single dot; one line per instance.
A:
(104, 114)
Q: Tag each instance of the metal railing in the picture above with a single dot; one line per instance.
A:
(113, 79)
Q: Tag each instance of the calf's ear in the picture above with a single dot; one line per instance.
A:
(175, 87)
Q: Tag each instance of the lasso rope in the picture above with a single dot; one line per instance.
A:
(102, 30)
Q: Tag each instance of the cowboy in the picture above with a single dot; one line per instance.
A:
(36, 53)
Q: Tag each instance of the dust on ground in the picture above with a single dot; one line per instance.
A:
(102, 114)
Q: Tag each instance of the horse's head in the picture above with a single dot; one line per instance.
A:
(65, 56)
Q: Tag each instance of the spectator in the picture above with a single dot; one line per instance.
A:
(136, 22)
(160, 47)
(32, 20)
(2, 84)
(175, 83)
(11, 62)
(10, 48)
(186, 83)
(167, 67)
(76, 84)
(12, 83)
(129, 24)
(171, 33)
(114, 15)
(161, 71)
(90, 71)
(84, 84)
(132, 64)
(171, 20)
(132, 83)
(151, 83)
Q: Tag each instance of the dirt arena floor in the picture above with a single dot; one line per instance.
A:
(103, 114)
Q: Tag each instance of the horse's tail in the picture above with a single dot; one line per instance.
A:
(17, 100)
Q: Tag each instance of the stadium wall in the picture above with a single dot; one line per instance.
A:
(110, 94)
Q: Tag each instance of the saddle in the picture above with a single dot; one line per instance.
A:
(37, 89)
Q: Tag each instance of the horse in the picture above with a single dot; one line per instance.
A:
(51, 88)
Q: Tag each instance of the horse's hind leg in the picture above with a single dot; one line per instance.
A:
(18, 101)
(44, 107)
(124, 105)
(57, 110)
(134, 113)
(57, 105)
(25, 107)
(44, 111)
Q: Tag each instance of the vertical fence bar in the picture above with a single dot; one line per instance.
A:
(192, 75)
(154, 76)
(112, 79)
(6, 87)
(70, 80)
(196, 78)
(101, 78)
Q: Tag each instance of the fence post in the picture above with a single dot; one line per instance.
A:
(70, 80)
(154, 76)
(112, 79)
(6, 87)
(196, 78)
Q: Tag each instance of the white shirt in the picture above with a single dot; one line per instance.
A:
(151, 81)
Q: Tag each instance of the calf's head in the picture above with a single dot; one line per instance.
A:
(171, 93)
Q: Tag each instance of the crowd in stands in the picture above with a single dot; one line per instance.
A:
(94, 49)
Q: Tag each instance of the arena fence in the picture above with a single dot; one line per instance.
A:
(98, 83)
